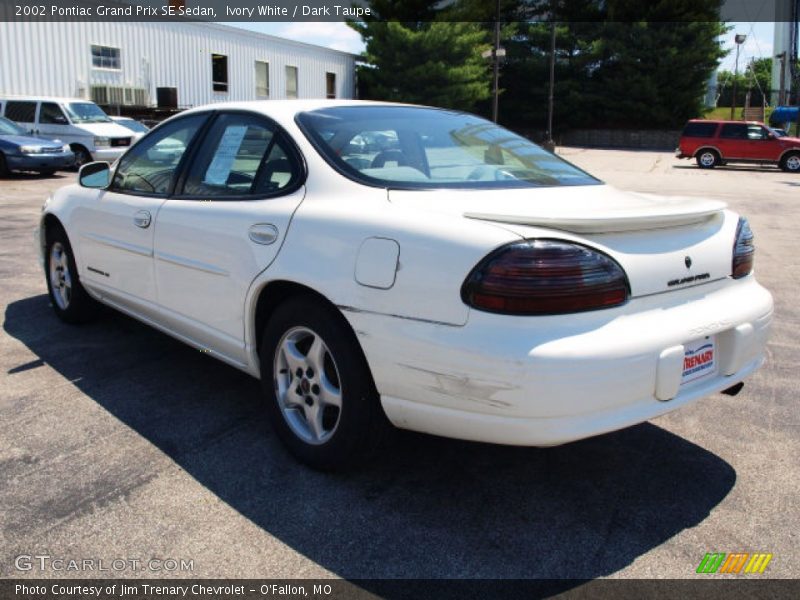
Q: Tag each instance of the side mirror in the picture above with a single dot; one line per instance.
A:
(770, 136)
(96, 175)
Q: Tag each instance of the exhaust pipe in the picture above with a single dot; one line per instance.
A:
(734, 389)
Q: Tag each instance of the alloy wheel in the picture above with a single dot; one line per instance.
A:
(307, 385)
(60, 277)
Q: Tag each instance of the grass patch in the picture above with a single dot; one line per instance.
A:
(724, 113)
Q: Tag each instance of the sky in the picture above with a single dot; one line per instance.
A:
(334, 35)
(339, 36)
(757, 45)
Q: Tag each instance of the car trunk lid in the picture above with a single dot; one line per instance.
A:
(663, 243)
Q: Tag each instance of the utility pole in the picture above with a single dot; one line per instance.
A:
(739, 39)
(496, 66)
(782, 92)
(549, 143)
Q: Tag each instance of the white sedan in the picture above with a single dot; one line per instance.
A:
(380, 263)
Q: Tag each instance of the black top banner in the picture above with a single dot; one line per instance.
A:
(447, 10)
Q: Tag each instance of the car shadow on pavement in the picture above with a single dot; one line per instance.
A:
(426, 508)
(30, 175)
(752, 169)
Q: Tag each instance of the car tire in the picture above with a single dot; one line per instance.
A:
(82, 157)
(71, 302)
(4, 170)
(791, 162)
(321, 399)
(47, 172)
(707, 159)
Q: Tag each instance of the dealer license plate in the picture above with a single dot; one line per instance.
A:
(699, 360)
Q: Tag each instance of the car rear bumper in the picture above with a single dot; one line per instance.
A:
(549, 380)
(40, 162)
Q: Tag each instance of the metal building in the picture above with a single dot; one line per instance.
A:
(166, 64)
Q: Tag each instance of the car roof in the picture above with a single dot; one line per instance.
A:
(45, 99)
(288, 108)
(718, 121)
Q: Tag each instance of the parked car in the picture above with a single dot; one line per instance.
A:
(472, 286)
(90, 133)
(783, 117)
(138, 128)
(713, 143)
(21, 152)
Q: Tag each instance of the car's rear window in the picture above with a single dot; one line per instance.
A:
(404, 147)
(699, 130)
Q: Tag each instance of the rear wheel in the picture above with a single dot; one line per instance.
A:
(320, 396)
(47, 172)
(707, 159)
(3, 166)
(791, 162)
(71, 302)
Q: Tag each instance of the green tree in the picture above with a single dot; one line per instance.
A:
(619, 63)
(656, 73)
(755, 77)
(412, 57)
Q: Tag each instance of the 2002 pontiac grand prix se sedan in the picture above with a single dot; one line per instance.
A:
(370, 260)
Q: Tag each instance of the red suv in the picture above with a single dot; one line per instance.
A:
(713, 143)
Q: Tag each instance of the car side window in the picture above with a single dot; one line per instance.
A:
(50, 113)
(149, 167)
(734, 131)
(243, 155)
(21, 111)
(756, 132)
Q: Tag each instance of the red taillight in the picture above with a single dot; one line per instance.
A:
(743, 250)
(545, 277)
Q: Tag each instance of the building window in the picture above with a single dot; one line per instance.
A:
(330, 85)
(105, 57)
(219, 72)
(262, 79)
(291, 82)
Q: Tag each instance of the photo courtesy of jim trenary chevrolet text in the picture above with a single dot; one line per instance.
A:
(399, 299)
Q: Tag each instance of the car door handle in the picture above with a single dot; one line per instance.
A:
(263, 233)
(142, 219)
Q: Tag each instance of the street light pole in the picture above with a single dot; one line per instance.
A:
(739, 39)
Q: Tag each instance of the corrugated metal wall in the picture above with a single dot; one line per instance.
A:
(54, 59)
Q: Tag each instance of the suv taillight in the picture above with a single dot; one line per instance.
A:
(743, 250)
(545, 277)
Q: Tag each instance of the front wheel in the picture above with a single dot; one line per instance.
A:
(82, 157)
(71, 302)
(4, 170)
(707, 159)
(320, 396)
(791, 163)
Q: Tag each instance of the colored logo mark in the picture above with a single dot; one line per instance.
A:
(740, 562)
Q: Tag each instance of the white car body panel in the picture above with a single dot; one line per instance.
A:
(205, 262)
(394, 263)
